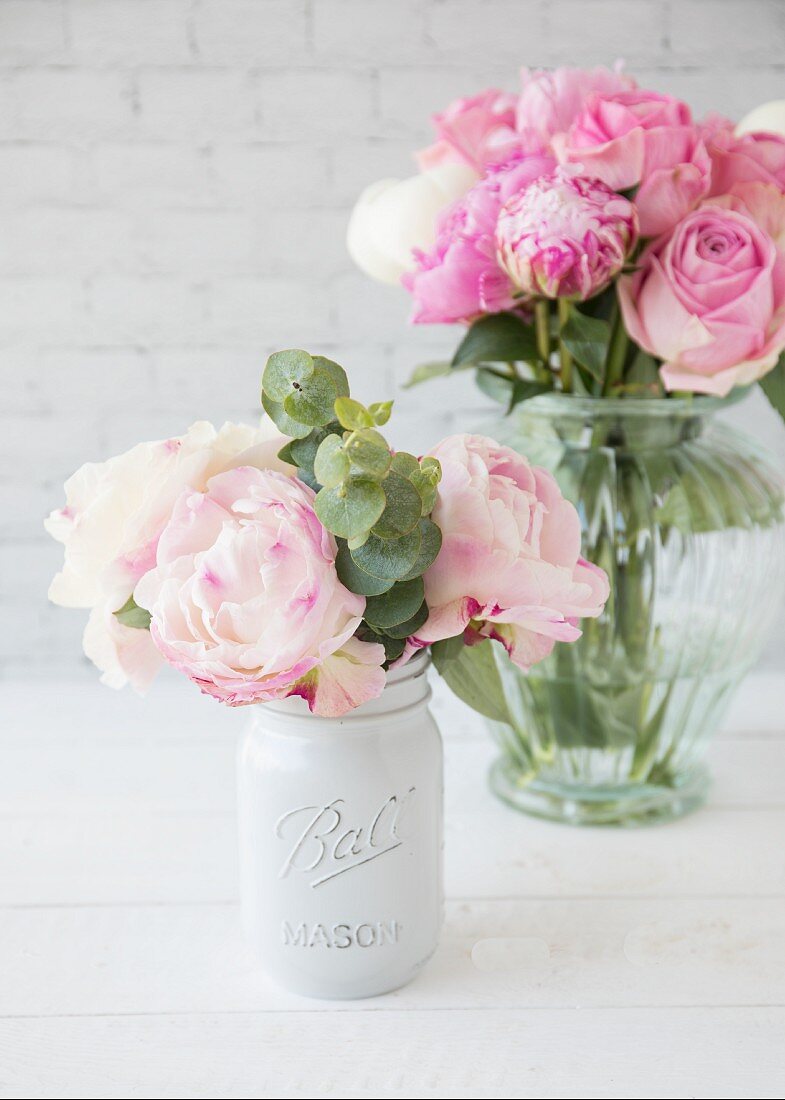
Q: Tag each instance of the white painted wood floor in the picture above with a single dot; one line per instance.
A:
(573, 963)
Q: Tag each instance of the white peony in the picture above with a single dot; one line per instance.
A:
(768, 118)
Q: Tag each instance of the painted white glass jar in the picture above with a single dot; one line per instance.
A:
(340, 825)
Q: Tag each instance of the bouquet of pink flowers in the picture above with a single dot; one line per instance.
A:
(594, 237)
(307, 560)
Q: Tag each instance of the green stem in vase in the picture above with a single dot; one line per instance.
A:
(617, 352)
(565, 359)
(542, 325)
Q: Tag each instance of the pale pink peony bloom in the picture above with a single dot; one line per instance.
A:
(752, 158)
(551, 99)
(478, 130)
(510, 565)
(710, 299)
(644, 139)
(460, 278)
(565, 236)
(110, 525)
(245, 598)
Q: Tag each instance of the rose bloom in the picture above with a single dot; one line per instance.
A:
(751, 158)
(510, 565)
(710, 299)
(565, 236)
(478, 130)
(641, 138)
(460, 277)
(245, 598)
(550, 99)
(110, 525)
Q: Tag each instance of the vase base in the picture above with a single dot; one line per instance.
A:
(622, 807)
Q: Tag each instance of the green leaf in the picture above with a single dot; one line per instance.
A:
(283, 369)
(352, 415)
(393, 647)
(425, 371)
(311, 401)
(389, 559)
(497, 386)
(411, 626)
(450, 648)
(426, 479)
(131, 614)
(350, 508)
(285, 453)
(369, 453)
(355, 578)
(397, 605)
(380, 411)
(304, 450)
(283, 422)
(773, 385)
(474, 678)
(336, 372)
(402, 510)
(404, 464)
(331, 464)
(430, 545)
(586, 339)
(497, 338)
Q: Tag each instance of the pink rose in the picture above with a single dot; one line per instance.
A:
(510, 565)
(246, 601)
(110, 526)
(710, 299)
(640, 138)
(752, 158)
(551, 98)
(565, 236)
(478, 130)
(460, 277)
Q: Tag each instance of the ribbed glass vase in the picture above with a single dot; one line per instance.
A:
(686, 516)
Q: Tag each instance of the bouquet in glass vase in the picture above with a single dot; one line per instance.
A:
(618, 270)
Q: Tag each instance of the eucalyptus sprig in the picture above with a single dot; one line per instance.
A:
(375, 501)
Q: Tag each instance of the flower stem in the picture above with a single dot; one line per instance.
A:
(617, 351)
(542, 324)
(565, 359)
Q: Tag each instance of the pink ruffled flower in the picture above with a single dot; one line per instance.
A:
(752, 158)
(710, 299)
(478, 130)
(460, 277)
(246, 601)
(565, 236)
(510, 565)
(640, 138)
(550, 99)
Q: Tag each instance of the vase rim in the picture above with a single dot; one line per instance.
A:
(569, 404)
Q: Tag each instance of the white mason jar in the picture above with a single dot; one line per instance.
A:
(341, 840)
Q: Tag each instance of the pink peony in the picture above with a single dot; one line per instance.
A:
(460, 277)
(478, 130)
(110, 525)
(643, 139)
(551, 98)
(753, 158)
(710, 299)
(510, 565)
(565, 236)
(246, 601)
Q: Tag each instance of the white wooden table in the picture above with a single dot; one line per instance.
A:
(573, 963)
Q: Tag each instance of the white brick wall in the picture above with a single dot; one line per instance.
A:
(175, 177)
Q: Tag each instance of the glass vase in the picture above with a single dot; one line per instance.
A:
(686, 516)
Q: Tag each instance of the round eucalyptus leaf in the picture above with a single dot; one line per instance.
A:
(311, 401)
(380, 411)
(352, 414)
(336, 372)
(411, 626)
(403, 463)
(368, 453)
(425, 482)
(396, 605)
(282, 420)
(356, 541)
(402, 510)
(350, 508)
(331, 464)
(283, 369)
(389, 559)
(430, 545)
(355, 578)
